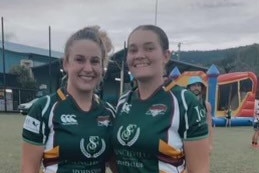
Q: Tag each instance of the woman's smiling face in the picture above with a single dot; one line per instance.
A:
(145, 58)
(84, 65)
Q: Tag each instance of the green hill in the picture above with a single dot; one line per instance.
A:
(245, 58)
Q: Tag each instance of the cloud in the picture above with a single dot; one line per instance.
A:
(198, 24)
(220, 4)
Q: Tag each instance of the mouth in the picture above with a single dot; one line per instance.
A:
(86, 77)
(141, 64)
(197, 92)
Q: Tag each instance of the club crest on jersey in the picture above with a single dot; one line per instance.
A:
(126, 108)
(104, 121)
(129, 135)
(68, 119)
(94, 147)
(157, 109)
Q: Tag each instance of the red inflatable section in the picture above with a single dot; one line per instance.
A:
(247, 106)
(247, 109)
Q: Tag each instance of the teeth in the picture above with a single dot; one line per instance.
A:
(86, 77)
(141, 65)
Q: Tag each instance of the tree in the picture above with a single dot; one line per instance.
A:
(240, 59)
(249, 55)
(24, 76)
(228, 63)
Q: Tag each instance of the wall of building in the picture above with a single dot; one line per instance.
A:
(14, 58)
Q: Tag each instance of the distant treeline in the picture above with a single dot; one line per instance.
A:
(245, 58)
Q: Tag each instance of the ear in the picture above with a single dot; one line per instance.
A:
(65, 64)
(167, 56)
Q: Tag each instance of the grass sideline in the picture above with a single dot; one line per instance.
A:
(232, 151)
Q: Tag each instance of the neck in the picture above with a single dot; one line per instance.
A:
(198, 97)
(147, 88)
(82, 98)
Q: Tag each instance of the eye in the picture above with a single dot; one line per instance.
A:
(80, 59)
(149, 48)
(95, 60)
(132, 50)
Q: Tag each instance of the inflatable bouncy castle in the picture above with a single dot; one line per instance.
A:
(236, 91)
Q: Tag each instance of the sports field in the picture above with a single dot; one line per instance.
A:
(232, 152)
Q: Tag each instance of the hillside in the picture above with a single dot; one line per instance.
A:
(245, 58)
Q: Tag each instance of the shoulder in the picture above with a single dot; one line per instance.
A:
(183, 94)
(178, 89)
(44, 103)
(104, 105)
(40, 103)
(109, 108)
(124, 98)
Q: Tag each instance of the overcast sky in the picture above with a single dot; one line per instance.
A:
(197, 24)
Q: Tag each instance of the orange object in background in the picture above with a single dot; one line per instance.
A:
(237, 90)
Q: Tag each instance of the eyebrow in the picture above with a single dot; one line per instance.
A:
(145, 44)
(148, 43)
(79, 54)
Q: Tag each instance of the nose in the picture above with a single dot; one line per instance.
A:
(88, 66)
(140, 54)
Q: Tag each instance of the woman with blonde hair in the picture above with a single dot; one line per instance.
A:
(68, 131)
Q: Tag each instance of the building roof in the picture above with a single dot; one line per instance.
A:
(15, 47)
(119, 58)
(184, 66)
(114, 67)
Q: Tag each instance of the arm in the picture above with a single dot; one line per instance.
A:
(33, 136)
(112, 164)
(209, 121)
(195, 138)
(31, 158)
(197, 156)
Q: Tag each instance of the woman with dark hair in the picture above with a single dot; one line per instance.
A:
(159, 127)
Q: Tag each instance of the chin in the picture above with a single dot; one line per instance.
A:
(143, 77)
(86, 88)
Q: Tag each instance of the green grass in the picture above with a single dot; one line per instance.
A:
(232, 152)
(10, 142)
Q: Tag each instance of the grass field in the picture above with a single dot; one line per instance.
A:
(232, 152)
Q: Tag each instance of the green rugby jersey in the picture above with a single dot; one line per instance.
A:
(75, 141)
(148, 134)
